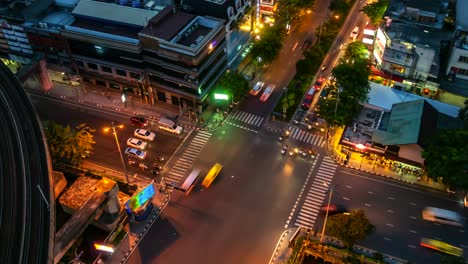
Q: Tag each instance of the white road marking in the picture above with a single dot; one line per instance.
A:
(386, 238)
(412, 231)
(411, 246)
(390, 225)
(370, 192)
(390, 198)
(346, 198)
(412, 217)
(390, 211)
(366, 204)
(412, 203)
(349, 187)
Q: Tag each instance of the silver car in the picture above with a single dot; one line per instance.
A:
(144, 134)
(135, 153)
(137, 143)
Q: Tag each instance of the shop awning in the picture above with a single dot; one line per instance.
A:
(382, 74)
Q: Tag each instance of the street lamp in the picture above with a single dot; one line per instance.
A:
(330, 193)
(113, 126)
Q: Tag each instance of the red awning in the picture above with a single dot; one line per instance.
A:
(382, 74)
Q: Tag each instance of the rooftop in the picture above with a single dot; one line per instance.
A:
(106, 27)
(418, 35)
(179, 27)
(384, 97)
(123, 15)
(462, 15)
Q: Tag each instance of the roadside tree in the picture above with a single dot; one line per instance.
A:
(350, 228)
(68, 144)
(446, 157)
(375, 10)
(265, 50)
(234, 84)
(463, 114)
(355, 51)
(452, 260)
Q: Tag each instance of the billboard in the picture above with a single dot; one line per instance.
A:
(138, 200)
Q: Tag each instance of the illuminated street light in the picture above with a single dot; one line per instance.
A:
(113, 126)
(360, 146)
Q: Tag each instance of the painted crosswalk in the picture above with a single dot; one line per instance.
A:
(248, 118)
(315, 197)
(186, 160)
(308, 137)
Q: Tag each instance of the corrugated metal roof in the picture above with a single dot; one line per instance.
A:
(113, 12)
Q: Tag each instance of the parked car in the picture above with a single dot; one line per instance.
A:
(139, 121)
(135, 153)
(257, 88)
(144, 134)
(137, 143)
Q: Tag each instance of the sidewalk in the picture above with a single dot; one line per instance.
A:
(111, 100)
(358, 162)
(137, 230)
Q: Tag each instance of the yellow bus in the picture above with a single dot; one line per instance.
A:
(441, 246)
(212, 174)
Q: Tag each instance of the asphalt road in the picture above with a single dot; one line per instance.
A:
(395, 210)
(239, 218)
(105, 151)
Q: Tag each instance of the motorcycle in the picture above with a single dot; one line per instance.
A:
(143, 166)
(284, 150)
(160, 158)
(157, 166)
(280, 138)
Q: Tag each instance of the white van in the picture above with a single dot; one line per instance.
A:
(169, 125)
(442, 216)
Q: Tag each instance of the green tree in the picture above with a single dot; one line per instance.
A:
(446, 157)
(234, 84)
(350, 87)
(463, 114)
(69, 144)
(349, 228)
(268, 47)
(375, 10)
(355, 51)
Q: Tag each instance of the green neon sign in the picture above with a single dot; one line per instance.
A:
(218, 96)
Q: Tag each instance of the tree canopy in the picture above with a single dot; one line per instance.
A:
(375, 10)
(69, 144)
(351, 87)
(349, 228)
(268, 47)
(447, 157)
(463, 114)
(355, 50)
(234, 84)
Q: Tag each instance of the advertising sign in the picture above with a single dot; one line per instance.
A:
(138, 200)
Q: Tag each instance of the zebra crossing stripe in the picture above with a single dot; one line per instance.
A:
(295, 131)
(310, 207)
(306, 219)
(326, 170)
(259, 122)
(317, 195)
(311, 211)
(313, 202)
(249, 118)
(303, 224)
(309, 136)
(306, 222)
(322, 144)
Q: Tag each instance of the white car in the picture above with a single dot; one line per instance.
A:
(266, 94)
(257, 88)
(137, 143)
(144, 134)
(135, 153)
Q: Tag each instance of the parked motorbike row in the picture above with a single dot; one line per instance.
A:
(155, 168)
(299, 152)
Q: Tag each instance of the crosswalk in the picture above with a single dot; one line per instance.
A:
(248, 118)
(310, 138)
(190, 154)
(316, 195)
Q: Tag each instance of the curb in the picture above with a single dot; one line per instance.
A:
(280, 242)
(368, 171)
(145, 230)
